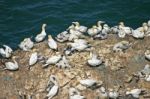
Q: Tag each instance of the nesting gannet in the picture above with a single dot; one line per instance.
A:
(103, 93)
(77, 27)
(93, 31)
(134, 92)
(146, 69)
(121, 46)
(88, 82)
(12, 65)
(127, 30)
(106, 28)
(33, 58)
(52, 43)
(147, 54)
(148, 23)
(94, 61)
(26, 44)
(7, 52)
(75, 94)
(40, 37)
(113, 94)
(63, 36)
(74, 34)
(53, 59)
(121, 33)
(91, 83)
(147, 78)
(99, 25)
(138, 33)
(54, 90)
(114, 29)
(79, 46)
(63, 63)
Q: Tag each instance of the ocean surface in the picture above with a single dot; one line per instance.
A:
(23, 18)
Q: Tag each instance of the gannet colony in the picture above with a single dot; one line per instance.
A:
(99, 62)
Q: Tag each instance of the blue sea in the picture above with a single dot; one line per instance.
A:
(23, 18)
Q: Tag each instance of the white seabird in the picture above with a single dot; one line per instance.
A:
(93, 31)
(113, 94)
(75, 94)
(11, 65)
(54, 90)
(121, 33)
(82, 29)
(138, 33)
(52, 43)
(99, 25)
(147, 55)
(127, 30)
(94, 61)
(134, 92)
(88, 82)
(63, 63)
(53, 59)
(79, 46)
(63, 36)
(40, 37)
(7, 52)
(26, 44)
(33, 58)
(120, 46)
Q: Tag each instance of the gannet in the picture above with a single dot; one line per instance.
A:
(33, 58)
(88, 82)
(63, 36)
(99, 25)
(74, 34)
(52, 43)
(121, 33)
(93, 31)
(94, 61)
(63, 63)
(127, 30)
(7, 52)
(121, 46)
(40, 37)
(75, 94)
(138, 33)
(26, 44)
(79, 46)
(147, 78)
(82, 29)
(147, 54)
(113, 94)
(145, 27)
(53, 59)
(146, 69)
(103, 93)
(54, 90)
(134, 92)
(148, 23)
(11, 65)
(114, 29)
(106, 28)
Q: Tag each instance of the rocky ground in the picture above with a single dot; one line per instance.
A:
(117, 71)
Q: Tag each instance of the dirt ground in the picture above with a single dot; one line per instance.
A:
(115, 71)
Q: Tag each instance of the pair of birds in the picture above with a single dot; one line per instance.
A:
(138, 33)
(100, 31)
(27, 44)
